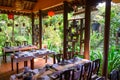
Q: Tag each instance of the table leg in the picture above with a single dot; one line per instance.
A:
(5, 57)
(25, 63)
(54, 59)
(46, 58)
(12, 63)
(17, 64)
(32, 63)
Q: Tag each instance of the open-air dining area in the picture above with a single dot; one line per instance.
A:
(59, 40)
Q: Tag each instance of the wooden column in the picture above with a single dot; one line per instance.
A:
(40, 29)
(65, 24)
(106, 37)
(87, 30)
(13, 27)
(32, 63)
(81, 35)
(32, 17)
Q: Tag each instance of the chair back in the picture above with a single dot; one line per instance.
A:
(95, 66)
(78, 72)
(24, 43)
(114, 75)
(7, 44)
(70, 55)
(67, 75)
(119, 74)
(58, 58)
(86, 71)
(100, 78)
(18, 43)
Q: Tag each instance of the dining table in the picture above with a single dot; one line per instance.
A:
(25, 56)
(13, 49)
(50, 72)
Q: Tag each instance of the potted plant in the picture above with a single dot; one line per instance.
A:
(95, 26)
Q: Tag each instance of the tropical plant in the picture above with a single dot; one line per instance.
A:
(113, 58)
(97, 55)
(95, 40)
(53, 32)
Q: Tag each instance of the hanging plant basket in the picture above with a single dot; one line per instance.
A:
(9, 24)
(118, 32)
(95, 26)
(16, 25)
(0, 29)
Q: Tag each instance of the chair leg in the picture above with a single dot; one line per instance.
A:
(12, 64)
(25, 63)
(17, 64)
(32, 63)
(46, 58)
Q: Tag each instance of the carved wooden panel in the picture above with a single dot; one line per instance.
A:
(36, 35)
(75, 38)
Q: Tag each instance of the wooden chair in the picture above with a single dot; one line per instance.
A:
(18, 43)
(95, 68)
(114, 75)
(7, 44)
(70, 55)
(86, 71)
(58, 58)
(78, 72)
(119, 74)
(67, 75)
(100, 78)
(24, 43)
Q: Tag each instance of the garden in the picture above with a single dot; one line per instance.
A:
(53, 33)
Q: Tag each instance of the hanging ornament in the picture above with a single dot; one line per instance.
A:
(51, 13)
(10, 16)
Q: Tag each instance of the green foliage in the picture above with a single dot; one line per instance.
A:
(20, 38)
(95, 40)
(2, 40)
(53, 32)
(7, 30)
(113, 58)
(97, 55)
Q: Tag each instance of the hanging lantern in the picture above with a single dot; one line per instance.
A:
(10, 16)
(51, 13)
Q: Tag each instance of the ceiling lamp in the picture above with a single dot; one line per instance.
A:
(51, 13)
(19, 4)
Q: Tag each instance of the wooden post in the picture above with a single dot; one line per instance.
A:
(65, 24)
(32, 63)
(25, 63)
(87, 29)
(32, 17)
(13, 27)
(17, 67)
(40, 29)
(106, 37)
(81, 35)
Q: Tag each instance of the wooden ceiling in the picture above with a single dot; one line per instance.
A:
(36, 5)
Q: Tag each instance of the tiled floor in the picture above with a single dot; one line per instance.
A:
(5, 68)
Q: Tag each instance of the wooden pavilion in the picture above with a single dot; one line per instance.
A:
(41, 7)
